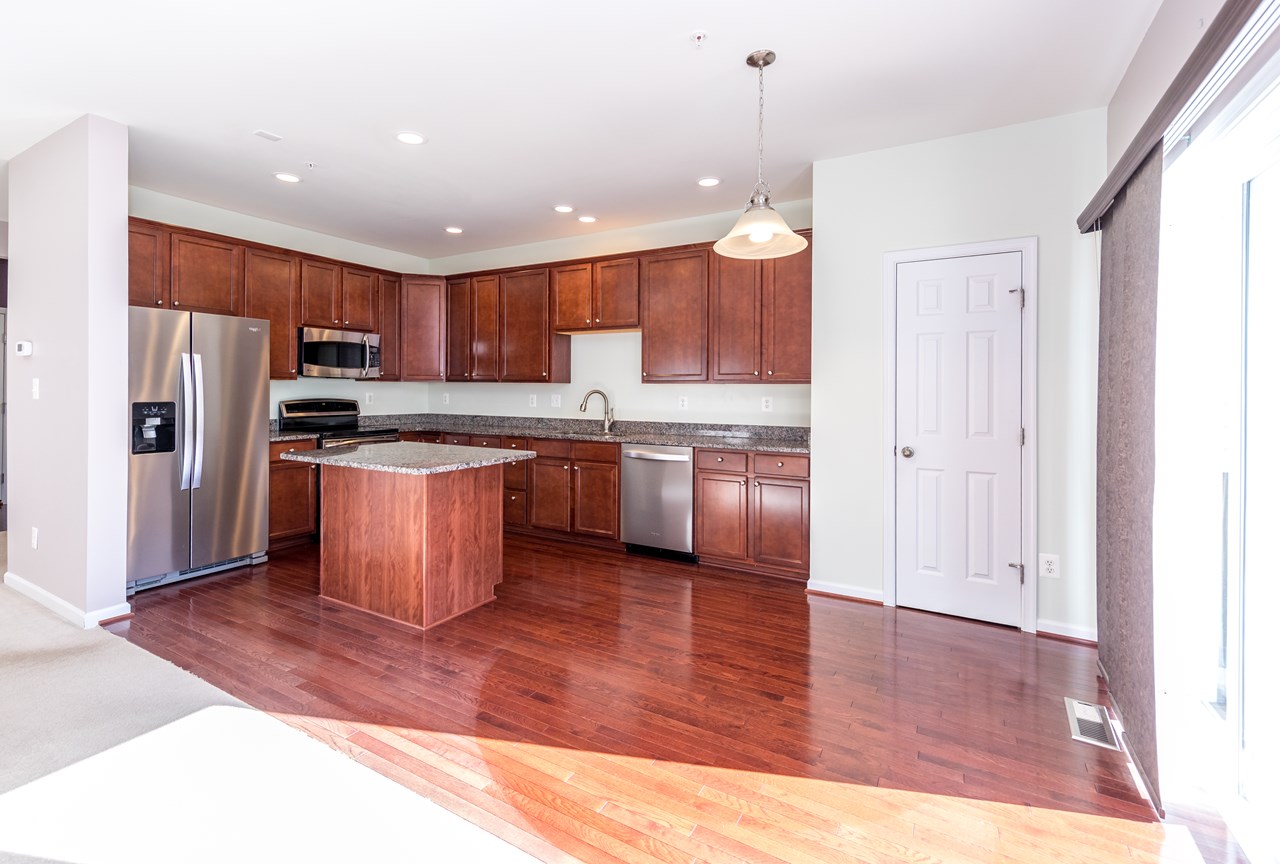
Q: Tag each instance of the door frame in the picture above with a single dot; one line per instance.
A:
(1029, 247)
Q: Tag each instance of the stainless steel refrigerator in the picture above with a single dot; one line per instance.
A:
(198, 400)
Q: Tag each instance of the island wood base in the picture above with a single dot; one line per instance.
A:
(416, 548)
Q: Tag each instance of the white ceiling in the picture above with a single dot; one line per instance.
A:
(607, 106)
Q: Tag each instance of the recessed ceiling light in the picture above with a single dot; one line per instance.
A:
(586, 218)
(453, 230)
(563, 208)
(410, 138)
(270, 136)
(286, 177)
(708, 181)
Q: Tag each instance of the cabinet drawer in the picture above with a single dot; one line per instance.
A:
(515, 443)
(421, 437)
(547, 448)
(594, 451)
(782, 464)
(455, 440)
(278, 447)
(722, 460)
(486, 441)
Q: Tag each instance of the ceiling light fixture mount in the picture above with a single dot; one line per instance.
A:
(760, 232)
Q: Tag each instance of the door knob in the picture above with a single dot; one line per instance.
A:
(907, 452)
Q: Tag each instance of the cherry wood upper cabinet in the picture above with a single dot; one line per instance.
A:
(484, 328)
(359, 299)
(525, 326)
(321, 293)
(616, 294)
(271, 288)
(602, 295)
(735, 319)
(390, 338)
(788, 317)
(148, 264)
(673, 316)
(205, 274)
(458, 330)
(422, 343)
(571, 297)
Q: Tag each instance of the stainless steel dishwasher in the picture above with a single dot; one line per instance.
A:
(657, 497)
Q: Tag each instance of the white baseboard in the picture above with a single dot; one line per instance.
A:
(56, 604)
(1061, 628)
(842, 590)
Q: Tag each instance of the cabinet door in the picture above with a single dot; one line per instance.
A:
(515, 475)
(292, 509)
(321, 288)
(780, 533)
(720, 515)
(788, 317)
(458, 328)
(549, 498)
(271, 292)
(484, 328)
(735, 319)
(673, 317)
(595, 499)
(359, 299)
(423, 339)
(148, 265)
(571, 297)
(617, 293)
(205, 275)
(526, 326)
(390, 338)
(514, 511)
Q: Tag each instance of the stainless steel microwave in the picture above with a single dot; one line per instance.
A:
(338, 353)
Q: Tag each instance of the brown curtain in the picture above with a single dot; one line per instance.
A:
(1126, 456)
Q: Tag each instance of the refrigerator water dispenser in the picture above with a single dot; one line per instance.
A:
(153, 426)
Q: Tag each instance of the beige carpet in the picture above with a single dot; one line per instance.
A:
(111, 754)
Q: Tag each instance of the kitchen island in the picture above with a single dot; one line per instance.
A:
(411, 532)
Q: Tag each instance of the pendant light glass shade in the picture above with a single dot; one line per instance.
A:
(760, 232)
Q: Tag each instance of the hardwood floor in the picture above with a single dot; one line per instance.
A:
(613, 708)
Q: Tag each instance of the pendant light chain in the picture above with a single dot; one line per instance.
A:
(762, 188)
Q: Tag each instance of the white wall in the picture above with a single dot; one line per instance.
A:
(1170, 39)
(68, 290)
(4, 239)
(1024, 180)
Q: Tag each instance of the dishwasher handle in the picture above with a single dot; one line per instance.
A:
(657, 457)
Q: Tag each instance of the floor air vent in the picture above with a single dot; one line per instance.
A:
(1090, 724)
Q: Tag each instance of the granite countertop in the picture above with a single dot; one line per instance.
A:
(776, 439)
(292, 436)
(409, 458)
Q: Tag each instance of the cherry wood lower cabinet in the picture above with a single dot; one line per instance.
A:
(515, 486)
(751, 511)
(573, 488)
(291, 514)
(421, 437)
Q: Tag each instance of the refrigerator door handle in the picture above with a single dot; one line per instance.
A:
(188, 421)
(199, 458)
(364, 373)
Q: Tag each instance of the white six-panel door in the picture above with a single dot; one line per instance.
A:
(958, 426)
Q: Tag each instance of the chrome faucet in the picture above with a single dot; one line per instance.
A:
(608, 415)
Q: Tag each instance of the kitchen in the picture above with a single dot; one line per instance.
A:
(859, 213)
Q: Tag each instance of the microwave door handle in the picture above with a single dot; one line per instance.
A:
(364, 373)
(198, 468)
(188, 421)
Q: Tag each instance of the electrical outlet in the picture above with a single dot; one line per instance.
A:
(368, 398)
(684, 403)
(555, 400)
(1050, 566)
(444, 399)
(533, 400)
(35, 537)
(766, 403)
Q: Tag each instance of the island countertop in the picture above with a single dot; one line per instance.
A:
(406, 457)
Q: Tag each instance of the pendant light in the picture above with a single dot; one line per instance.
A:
(760, 232)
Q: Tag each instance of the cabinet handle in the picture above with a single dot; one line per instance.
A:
(588, 321)
(770, 371)
(566, 467)
(756, 373)
(544, 374)
(291, 449)
(346, 322)
(719, 458)
(513, 497)
(779, 464)
(575, 467)
(159, 302)
(486, 444)
(176, 303)
(757, 484)
(335, 320)
(644, 374)
(597, 320)
(293, 370)
(742, 482)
